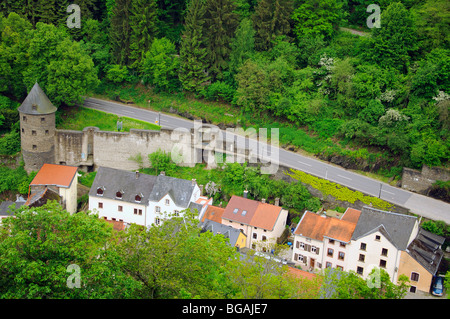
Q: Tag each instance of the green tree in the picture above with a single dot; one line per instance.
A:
(242, 45)
(395, 43)
(271, 19)
(219, 28)
(339, 284)
(161, 64)
(161, 161)
(60, 66)
(318, 18)
(143, 22)
(120, 32)
(39, 244)
(193, 65)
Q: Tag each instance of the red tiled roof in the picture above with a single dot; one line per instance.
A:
(298, 273)
(52, 174)
(213, 213)
(351, 215)
(251, 212)
(316, 227)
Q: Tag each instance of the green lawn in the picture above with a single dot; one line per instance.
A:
(77, 118)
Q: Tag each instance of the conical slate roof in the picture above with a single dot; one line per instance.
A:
(37, 102)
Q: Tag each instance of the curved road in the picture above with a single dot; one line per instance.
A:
(418, 204)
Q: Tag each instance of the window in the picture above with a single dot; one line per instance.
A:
(302, 245)
(341, 255)
(328, 265)
(412, 289)
(384, 252)
(331, 241)
(99, 191)
(157, 221)
(330, 252)
(235, 210)
(100, 205)
(362, 257)
(264, 238)
(119, 195)
(120, 208)
(33, 132)
(23, 131)
(167, 202)
(24, 118)
(382, 263)
(377, 237)
(137, 211)
(42, 119)
(359, 270)
(176, 213)
(137, 198)
(46, 132)
(363, 246)
(34, 147)
(340, 268)
(244, 212)
(314, 249)
(255, 236)
(342, 244)
(300, 258)
(414, 276)
(34, 107)
(157, 209)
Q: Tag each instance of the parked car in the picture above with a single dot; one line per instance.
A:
(437, 288)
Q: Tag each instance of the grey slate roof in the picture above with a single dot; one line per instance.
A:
(179, 189)
(149, 187)
(217, 228)
(395, 227)
(39, 98)
(426, 250)
(4, 207)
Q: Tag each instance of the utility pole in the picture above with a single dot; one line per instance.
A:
(379, 195)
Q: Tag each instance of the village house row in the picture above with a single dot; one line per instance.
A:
(358, 240)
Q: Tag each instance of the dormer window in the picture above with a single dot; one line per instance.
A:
(100, 191)
(34, 107)
(235, 210)
(119, 195)
(244, 212)
(138, 198)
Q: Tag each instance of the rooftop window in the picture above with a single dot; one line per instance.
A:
(235, 210)
(100, 191)
(119, 195)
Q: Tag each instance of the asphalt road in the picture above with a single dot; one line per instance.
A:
(418, 204)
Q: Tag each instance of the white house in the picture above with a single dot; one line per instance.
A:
(323, 242)
(133, 197)
(261, 222)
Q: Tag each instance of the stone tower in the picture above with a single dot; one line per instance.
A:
(37, 129)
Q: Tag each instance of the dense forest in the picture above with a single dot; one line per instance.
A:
(385, 91)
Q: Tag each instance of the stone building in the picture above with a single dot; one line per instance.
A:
(37, 129)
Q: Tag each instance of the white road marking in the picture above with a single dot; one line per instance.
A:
(345, 177)
(304, 163)
(387, 192)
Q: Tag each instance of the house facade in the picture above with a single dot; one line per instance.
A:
(262, 223)
(62, 180)
(322, 242)
(133, 197)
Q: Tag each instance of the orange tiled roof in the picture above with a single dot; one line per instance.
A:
(213, 213)
(351, 215)
(316, 227)
(256, 214)
(52, 174)
(298, 273)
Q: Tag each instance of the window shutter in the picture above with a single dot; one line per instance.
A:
(317, 250)
(305, 259)
(297, 244)
(308, 247)
(296, 257)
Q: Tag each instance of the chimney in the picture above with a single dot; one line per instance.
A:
(277, 201)
(263, 200)
(245, 193)
(194, 181)
(220, 204)
(163, 173)
(201, 190)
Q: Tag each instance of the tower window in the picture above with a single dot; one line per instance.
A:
(23, 131)
(34, 107)
(24, 118)
(100, 191)
(46, 132)
(35, 147)
(33, 132)
(137, 198)
(119, 195)
(42, 119)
